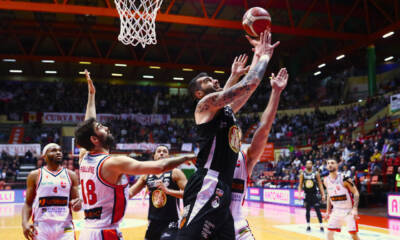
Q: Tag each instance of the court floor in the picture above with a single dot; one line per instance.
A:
(272, 222)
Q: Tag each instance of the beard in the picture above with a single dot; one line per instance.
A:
(107, 141)
(332, 170)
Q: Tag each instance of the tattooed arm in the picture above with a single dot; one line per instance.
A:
(348, 183)
(210, 104)
(239, 103)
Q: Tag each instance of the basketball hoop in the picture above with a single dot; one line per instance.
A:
(137, 21)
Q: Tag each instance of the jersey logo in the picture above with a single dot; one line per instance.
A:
(309, 184)
(55, 190)
(234, 138)
(339, 198)
(94, 213)
(159, 199)
(63, 184)
(53, 201)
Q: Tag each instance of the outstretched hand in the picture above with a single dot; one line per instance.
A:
(91, 88)
(279, 82)
(263, 45)
(239, 65)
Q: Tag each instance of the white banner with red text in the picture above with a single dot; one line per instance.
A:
(148, 119)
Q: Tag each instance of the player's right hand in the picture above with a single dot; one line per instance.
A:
(28, 230)
(326, 216)
(91, 88)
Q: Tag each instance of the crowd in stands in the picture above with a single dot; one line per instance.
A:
(19, 97)
(377, 154)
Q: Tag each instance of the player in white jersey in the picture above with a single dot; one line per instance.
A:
(103, 177)
(342, 202)
(248, 158)
(51, 193)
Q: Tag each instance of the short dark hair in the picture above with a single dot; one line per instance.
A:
(333, 159)
(194, 86)
(83, 132)
(160, 145)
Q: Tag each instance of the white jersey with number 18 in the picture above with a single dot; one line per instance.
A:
(104, 204)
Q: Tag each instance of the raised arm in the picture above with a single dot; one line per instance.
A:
(215, 101)
(179, 177)
(91, 104)
(90, 107)
(138, 186)
(27, 227)
(239, 103)
(126, 165)
(260, 138)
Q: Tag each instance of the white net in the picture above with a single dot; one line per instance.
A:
(138, 21)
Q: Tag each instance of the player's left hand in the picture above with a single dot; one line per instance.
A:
(239, 65)
(279, 82)
(354, 212)
(76, 204)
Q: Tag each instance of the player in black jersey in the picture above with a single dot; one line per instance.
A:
(308, 182)
(165, 190)
(207, 195)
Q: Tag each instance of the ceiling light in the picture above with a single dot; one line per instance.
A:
(15, 71)
(388, 34)
(389, 58)
(82, 73)
(116, 74)
(86, 63)
(154, 67)
(178, 78)
(317, 73)
(219, 72)
(340, 57)
(120, 65)
(148, 76)
(321, 65)
(48, 61)
(50, 72)
(187, 69)
(9, 60)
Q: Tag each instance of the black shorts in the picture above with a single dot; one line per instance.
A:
(311, 199)
(206, 213)
(156, 229)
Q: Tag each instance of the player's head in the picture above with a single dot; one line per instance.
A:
(202, 84)
(309, 165)
(161, 152)
(52, 153)
(91, 134)
(332, 165)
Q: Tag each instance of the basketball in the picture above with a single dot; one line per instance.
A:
(256, 20)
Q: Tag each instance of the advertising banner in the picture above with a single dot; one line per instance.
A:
(394, 205)
(57, 118)
(20, 149)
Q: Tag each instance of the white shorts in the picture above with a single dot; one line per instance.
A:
(338, 216)
(54, 230)
(242, 230)
(104, 234)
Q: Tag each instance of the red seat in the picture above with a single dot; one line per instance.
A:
(389, 170)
